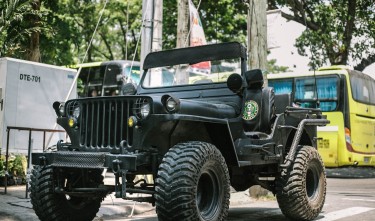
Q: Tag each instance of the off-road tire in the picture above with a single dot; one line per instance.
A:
(49, 205)
(193, 184)
(301, 188)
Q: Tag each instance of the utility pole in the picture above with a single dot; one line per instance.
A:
(157, 36)
(146, 29)
(257, 51)
(257, 35)
(152, 20)
(182, 23)
(183, 18)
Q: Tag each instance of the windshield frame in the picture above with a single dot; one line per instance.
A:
(192, 55)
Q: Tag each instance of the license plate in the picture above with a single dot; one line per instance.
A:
(366, 159)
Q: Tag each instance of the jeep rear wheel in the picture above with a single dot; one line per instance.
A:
(301, 188)
(49, 205)
(193, 184)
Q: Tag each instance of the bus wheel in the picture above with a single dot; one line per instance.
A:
(301, 188)
(49, 205)
(193, 184)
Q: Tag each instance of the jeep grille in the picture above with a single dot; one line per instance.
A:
(103, 123)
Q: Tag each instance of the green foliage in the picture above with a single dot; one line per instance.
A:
(222, 20)
(273, 68)
(338, 31)
(15, 28)
(16, 165)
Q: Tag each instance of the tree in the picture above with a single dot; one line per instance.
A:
(222, 20)
(341, 32)
(272, 68)
(15, 28)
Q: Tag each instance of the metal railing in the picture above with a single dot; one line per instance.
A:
(9, 128)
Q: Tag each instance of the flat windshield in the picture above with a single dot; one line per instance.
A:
(207, 72)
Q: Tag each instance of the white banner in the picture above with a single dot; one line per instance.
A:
(197, 36)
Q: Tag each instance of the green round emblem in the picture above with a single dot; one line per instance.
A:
(251, 110)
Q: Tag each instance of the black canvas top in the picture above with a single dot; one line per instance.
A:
(194, 55)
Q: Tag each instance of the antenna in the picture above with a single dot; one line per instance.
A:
(312, 55)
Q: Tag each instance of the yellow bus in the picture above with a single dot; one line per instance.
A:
(105, 78)
(347, 97)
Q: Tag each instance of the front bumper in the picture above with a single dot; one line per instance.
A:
(75, 159)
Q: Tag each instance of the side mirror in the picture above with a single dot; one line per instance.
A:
(128, 89)
(235, 83)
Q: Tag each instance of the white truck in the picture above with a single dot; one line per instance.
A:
(27, 92)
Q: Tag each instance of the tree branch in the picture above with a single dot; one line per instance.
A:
(365, 62)
(108, 46)
(349, 28)
(300, 20)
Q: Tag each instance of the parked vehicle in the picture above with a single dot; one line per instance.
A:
(196, 139)
(27, 90)
(347, 98)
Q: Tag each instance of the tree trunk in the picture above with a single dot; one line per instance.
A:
(257, 36)
(34, 50)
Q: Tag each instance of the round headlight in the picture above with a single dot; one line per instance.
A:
(145, 110)
(62, 109)
(171, 104)
(76, 112)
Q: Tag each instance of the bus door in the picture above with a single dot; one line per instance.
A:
(112, 80)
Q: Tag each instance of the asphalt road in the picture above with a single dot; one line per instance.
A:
(347, 199)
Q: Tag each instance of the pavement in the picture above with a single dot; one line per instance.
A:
(14, 206)
(351, 172)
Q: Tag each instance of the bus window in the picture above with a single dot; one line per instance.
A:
(327, 88)
(363, 88)
(282, 86)
(95, 80)
(82, 82)
(134, 72)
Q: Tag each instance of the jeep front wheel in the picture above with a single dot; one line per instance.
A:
(301, 188)
(193, 183)
(49, 205)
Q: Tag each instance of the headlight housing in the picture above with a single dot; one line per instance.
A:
(73, 110)
(145, 110)
(59, 108)
(170, 103)
(142, 108)
(76, 112)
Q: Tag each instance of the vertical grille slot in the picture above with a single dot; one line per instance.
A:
(104, 123)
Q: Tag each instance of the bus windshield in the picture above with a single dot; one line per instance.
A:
(106, 78)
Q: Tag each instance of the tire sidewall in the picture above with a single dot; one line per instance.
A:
(49, 205)
(212, 166)
(301, 188)
(190, 170)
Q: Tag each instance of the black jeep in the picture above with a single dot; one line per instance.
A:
(215, 127)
